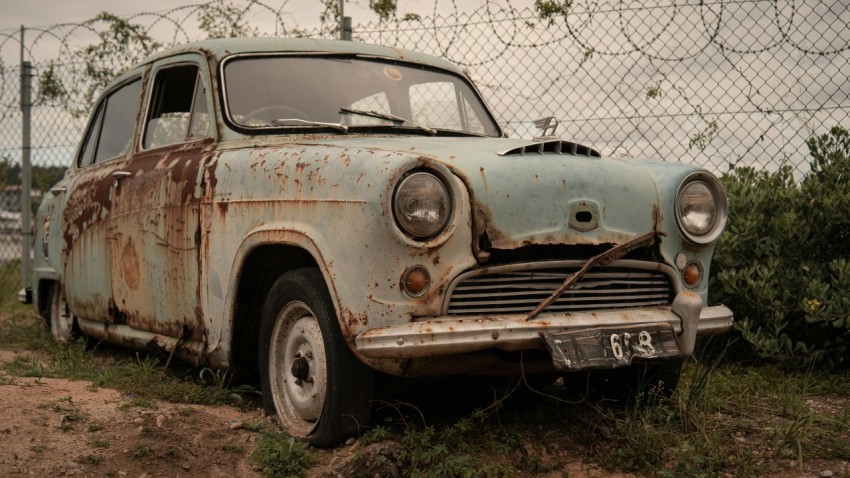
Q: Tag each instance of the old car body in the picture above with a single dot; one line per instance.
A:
(320, 210)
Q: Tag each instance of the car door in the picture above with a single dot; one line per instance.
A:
(155, 227)
(88, 206)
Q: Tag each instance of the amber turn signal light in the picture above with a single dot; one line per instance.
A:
(692, 274)
(415, 281)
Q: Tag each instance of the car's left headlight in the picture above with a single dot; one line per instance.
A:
(421, 205)
(701, 208)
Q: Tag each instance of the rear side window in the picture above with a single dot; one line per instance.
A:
(119, 119)
(178, 110)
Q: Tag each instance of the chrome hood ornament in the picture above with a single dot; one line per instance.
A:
(546, 124)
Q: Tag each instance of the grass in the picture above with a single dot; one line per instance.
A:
(90, 459)
(139, 451)
(279, 456)
(142, 377)
(725, 418)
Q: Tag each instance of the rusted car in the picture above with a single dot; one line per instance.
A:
(324, 211)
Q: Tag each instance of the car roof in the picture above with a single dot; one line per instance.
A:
(223, 47)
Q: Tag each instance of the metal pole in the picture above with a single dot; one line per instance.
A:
(344, 23)
(26, 166)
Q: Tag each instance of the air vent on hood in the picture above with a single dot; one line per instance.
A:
(552, 147)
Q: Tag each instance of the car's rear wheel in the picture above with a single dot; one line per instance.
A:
(59, 317)
(315, 385)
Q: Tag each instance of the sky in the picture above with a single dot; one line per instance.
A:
(14, 13)
(35, 15)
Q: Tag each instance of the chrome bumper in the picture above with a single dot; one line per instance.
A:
(453, 335)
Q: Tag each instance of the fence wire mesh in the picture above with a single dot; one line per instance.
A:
(718, 83)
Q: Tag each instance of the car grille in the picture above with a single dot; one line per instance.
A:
(519, 289)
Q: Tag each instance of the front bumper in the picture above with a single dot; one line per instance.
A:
(452, 335)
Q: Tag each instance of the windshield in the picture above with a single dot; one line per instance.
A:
(318, 91)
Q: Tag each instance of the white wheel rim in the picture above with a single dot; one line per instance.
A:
(61, 319)
(296, 337)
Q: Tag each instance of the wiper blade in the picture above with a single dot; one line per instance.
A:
(284, 121)
(388, 117)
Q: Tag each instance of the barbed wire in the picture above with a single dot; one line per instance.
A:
(613, 63)
(718, 83)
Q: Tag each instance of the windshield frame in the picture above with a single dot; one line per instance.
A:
(376, 128)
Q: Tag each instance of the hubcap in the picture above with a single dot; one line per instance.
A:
(297, 368)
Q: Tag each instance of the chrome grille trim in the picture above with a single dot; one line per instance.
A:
(518, 288)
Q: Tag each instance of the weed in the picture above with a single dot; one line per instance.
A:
(471, 446)
(95, 427)
(231, 448)
(139, 402)
(38, 448)
(280, 456)
(100, 443)
(139, 451)
(253, 426)
(376, 434)
(69, 421)
(171, 454)
(222, 380)
(185, 411)
(90, 459)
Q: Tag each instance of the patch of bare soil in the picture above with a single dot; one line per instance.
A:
(51, 427)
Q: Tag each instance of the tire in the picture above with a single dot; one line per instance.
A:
(320, 392)
(59, 317)
(626, 385)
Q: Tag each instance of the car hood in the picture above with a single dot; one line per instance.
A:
(522, 198)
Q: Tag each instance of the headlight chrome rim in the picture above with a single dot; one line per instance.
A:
(718, 195)
(422, 229)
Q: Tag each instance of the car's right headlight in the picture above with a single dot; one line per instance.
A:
(701, 208)
(421, 205)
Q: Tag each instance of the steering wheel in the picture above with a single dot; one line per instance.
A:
(273, 112)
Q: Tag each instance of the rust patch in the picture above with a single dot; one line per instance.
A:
(89, 202)
(130, 265)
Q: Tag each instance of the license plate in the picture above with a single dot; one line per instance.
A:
(610, 347)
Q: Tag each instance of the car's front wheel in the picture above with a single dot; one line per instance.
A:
(315, 385)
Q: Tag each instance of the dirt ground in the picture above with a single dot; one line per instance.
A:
(52, 427)
(56, 428)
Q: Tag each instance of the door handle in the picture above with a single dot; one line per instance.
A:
(121, 174)
(58, 190)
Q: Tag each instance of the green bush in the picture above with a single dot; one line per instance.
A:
(783, 265)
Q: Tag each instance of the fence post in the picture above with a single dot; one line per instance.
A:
(26, 166)
(344, 23)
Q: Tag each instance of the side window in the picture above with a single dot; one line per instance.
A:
(87, 151)
(178, 110)
(119, 118)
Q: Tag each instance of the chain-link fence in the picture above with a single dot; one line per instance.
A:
(719, 84)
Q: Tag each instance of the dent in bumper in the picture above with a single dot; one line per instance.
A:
(454, 335)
